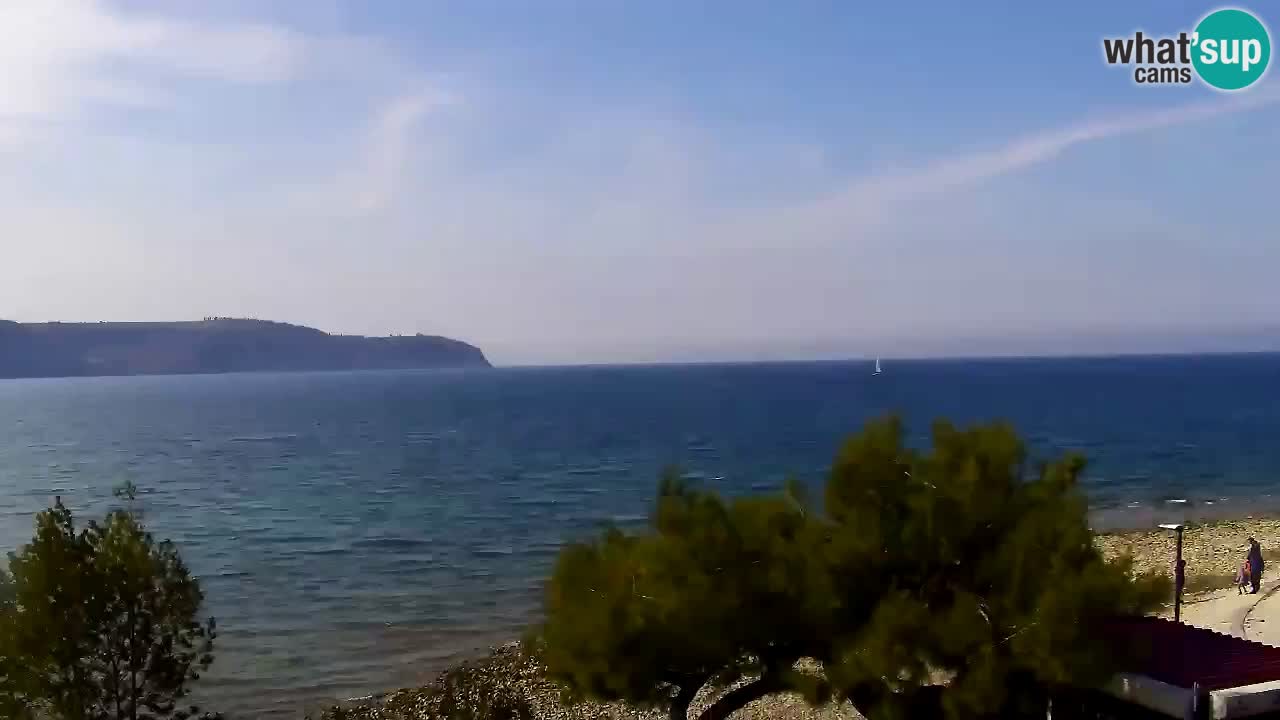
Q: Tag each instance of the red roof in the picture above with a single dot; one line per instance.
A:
(1183, 655)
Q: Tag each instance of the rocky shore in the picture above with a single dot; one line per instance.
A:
(1213, 552)
(510, 680)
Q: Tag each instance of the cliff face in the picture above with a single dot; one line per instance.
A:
(213, 346)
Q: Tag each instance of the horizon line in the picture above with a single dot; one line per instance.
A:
(896, 359)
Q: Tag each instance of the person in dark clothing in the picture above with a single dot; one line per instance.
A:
(1255, 565)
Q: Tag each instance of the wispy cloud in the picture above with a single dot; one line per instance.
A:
(386, 148)
(369, 198)
(1037, 148)
(865, 202)
(56, 56)
(368, 168)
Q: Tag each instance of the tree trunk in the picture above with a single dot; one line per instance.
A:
(115, 686)
(738, 697)
(133, 669)
(80, 711)
(680, 703)
(923, 703)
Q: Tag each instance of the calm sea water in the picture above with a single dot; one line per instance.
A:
(355, 531)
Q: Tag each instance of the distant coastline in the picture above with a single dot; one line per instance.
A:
(211, 346)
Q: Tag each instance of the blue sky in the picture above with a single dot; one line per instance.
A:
(612, 181)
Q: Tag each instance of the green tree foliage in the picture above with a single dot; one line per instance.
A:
(101, 623)
(955, 582)
(48, 624)
(989, 580)
(13, 702)
(715, 592)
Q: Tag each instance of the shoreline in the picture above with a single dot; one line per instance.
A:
(505, 673)
(1213, 549)
(1136, 516)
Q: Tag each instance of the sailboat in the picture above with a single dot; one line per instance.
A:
(877, 372)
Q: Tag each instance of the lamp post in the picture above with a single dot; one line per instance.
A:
(1179, 571)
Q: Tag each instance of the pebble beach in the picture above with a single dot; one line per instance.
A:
(506, 671)
(1213, 551)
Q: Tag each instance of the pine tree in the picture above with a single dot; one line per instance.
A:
(956, 582)
(13, 697)
(991, 581)
(716, 592)
(48, 626)
(102, 623)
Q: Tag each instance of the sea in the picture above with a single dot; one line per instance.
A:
(356, 532)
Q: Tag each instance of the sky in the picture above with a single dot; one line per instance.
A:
(599, 181)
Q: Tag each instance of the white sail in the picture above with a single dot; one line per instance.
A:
(877, 365)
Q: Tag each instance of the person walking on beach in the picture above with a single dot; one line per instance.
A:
(1255, 565)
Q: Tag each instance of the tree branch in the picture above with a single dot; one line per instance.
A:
(876, 701)
(684, 696)
(735, 699)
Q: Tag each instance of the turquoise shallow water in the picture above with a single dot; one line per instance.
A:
(355, 531)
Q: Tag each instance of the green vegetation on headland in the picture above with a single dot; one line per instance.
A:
(955, 582)
(213, 345)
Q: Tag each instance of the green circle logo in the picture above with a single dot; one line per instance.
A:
(1232, 49)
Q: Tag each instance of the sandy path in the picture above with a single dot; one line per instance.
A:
(1253, 617)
